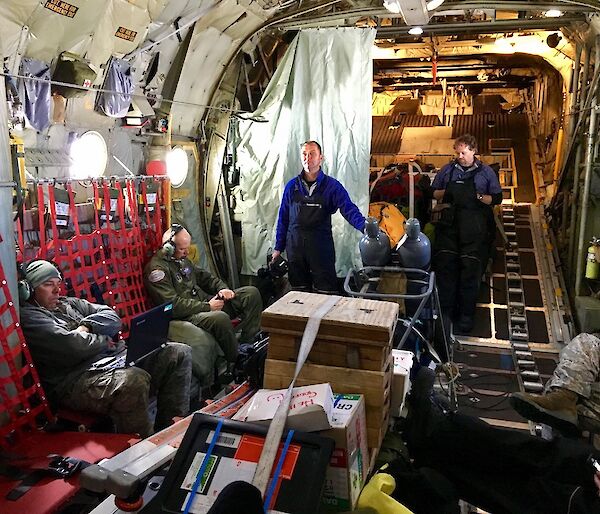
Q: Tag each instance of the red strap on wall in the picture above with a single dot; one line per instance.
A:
(102, 261)
(104, 256)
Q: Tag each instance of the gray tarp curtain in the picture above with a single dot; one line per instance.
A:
(322, 91)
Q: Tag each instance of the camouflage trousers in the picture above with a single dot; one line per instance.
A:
(247, 304)
(579, 371)
(205, 349)
(123, 393)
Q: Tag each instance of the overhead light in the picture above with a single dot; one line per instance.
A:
(432, 5)
(415, 31)
(504, 46)
(553, 13)
(414, 12)
(392, 6)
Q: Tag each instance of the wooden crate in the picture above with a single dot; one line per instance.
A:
(374, 385)
(350, 320)
(352, 350)
(330, 353)
(355, 333)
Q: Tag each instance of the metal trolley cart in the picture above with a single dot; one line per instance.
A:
(421, 300)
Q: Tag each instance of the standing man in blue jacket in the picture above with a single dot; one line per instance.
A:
(304, 224)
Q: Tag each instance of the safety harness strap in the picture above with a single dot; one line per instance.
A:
(58, 467)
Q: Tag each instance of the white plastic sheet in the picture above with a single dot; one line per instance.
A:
(322, 91)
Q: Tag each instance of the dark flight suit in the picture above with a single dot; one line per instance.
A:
(190, 288)
(458, 240)
(304, 231)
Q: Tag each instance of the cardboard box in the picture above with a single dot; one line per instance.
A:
(375, 386)
(311, 407)
(403, 362)
(349, 464)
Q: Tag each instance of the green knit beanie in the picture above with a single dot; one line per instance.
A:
(37, 272)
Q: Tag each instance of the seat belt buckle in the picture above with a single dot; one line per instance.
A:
(63, 467)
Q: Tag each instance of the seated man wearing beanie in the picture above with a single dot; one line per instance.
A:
(199, 297)
(67, 335)
(572, 395)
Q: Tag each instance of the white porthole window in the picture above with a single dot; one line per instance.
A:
(177, 166)
(88, 155)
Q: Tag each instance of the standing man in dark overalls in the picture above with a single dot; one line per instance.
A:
(470, 188)
(304, 224)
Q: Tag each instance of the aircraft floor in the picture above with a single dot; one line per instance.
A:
(484, 357)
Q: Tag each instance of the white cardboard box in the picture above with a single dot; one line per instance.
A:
(310, 408)
(349, 464)
(403, 362)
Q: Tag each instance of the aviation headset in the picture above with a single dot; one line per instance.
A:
(169, 245)
(24, 286)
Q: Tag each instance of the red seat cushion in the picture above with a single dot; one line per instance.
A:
(49, 494)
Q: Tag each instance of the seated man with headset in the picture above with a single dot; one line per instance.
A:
(200, 298)
(67, 335)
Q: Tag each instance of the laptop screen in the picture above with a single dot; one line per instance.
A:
(148, 332)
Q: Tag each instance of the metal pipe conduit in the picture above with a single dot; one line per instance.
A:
(589, 152)
(586, 105)
(7, 243)
(574, 90)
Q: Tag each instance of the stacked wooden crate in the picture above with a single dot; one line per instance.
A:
(352, 350)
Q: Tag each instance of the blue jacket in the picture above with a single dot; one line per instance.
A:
(334, 197)
(486, 181)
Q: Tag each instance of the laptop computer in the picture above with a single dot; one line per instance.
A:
(148, 333)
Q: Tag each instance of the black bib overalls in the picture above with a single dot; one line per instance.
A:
(310, 249)
(457, 251)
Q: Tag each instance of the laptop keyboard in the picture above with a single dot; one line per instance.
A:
(108, 363)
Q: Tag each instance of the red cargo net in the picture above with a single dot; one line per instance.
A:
(103, 263)
(22, 398)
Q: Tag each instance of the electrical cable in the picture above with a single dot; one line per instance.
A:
(493, 407)
(133, 95)
(571, 498)
(487, 395)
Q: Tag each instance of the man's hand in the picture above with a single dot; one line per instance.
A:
(438, 194)
(81, 328)
(597, 481)
(216, 304)
(485, 199)
(274, 255)
(226, 294)
(116, 346)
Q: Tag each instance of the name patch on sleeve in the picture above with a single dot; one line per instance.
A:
(156, 275)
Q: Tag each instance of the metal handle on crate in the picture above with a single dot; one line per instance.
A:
(428, 278)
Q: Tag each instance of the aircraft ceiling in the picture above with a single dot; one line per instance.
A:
(150, 33)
